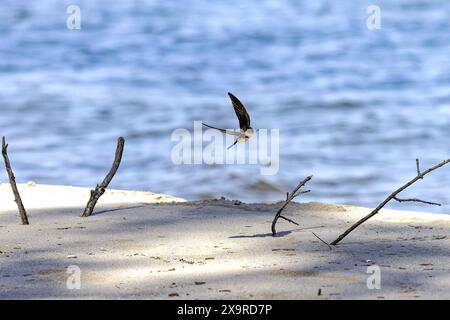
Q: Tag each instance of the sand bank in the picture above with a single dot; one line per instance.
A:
(152, 246)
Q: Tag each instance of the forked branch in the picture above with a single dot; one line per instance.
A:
(289, 197)
(100, 189)
(393, 196)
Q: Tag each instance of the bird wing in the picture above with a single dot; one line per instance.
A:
(231, 132)
(244, 118)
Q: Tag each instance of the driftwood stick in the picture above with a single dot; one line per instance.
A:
(12, 181)
(100, 189)
(393, 196)
(289, 198)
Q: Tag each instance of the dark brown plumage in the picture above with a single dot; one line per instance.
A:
(244, 118)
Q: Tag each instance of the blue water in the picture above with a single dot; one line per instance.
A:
(355, 107)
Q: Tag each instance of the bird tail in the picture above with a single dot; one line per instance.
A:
(233, 144)
(231, 132)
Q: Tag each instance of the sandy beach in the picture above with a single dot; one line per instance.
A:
(141, 245)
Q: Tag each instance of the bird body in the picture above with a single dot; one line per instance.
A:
(245, 135)
(245, 132)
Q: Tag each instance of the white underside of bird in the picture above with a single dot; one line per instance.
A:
(242, 136)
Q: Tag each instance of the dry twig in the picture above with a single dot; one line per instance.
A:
(289, 198)
(100, 189)
(12, 181)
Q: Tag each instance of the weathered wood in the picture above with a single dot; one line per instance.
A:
(100, 189)
(12, 182)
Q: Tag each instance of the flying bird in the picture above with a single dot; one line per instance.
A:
(245, 132)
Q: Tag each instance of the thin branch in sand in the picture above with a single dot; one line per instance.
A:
(12, 181)
(289, 198)
(100, 189)
(393, 196)
(323, 241)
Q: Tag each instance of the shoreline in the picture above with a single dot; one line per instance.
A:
(142, 245)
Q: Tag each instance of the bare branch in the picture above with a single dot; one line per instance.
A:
(12, 181)
(100, 189)
(418, 168)
(302, 192)
(289, 220)
(417, 200)
(392, 196)
(289, 198)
